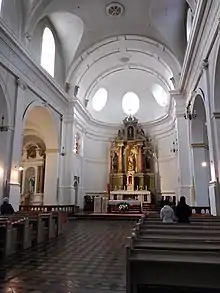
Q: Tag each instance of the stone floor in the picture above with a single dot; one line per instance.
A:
(89, 259)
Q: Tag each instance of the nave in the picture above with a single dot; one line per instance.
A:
(90, 258)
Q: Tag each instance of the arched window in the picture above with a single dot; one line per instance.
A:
(130, 103)
(0, 5)
(189, 22)
(48, 51)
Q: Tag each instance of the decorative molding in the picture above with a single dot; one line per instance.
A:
(205, 64)
(204, 25)
(52, 151)
(199, 145)
(215, 115)
(21, 84)
(96, 161)
(32, 75)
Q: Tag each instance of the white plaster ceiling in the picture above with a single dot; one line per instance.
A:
(150, 34)
(119, 83)
(163, 21)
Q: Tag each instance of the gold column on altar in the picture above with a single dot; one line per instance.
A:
(140, 158)
(120, 158)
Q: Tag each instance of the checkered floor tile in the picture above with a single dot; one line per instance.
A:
(90, 258)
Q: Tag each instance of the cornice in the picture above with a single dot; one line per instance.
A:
(193, 44)
(204, 41)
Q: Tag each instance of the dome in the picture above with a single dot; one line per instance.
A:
(126, 92)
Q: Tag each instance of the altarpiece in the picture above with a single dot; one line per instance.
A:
(131, 163)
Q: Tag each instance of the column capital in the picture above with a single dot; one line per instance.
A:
(177, 95)
(215, 115)
(21, 84)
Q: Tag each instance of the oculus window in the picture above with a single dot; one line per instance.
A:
(130, 103)
(48, 51)
(160, 95)
(99, 99)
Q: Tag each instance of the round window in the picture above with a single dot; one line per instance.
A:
(130, 103)
(160, 95)
(99, 99)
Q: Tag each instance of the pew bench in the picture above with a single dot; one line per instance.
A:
(166, 244)
(177, 268)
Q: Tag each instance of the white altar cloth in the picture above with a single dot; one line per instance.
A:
(128, 201)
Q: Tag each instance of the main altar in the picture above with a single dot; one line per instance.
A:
(131, 176)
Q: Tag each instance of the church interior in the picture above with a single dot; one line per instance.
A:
(108, 109)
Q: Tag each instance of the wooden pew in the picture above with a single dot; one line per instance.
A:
(153, 246)
(8, 237)
(180, 268)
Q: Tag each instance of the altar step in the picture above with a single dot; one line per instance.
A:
(146, 207)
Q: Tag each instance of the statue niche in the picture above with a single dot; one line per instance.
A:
(130, 133)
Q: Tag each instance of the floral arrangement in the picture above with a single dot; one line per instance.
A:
(123, 206)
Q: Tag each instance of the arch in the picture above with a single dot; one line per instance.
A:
(45, 126)
(48, 51)
(68, 26)
(200, 153)
(40, 122)
(192, 4)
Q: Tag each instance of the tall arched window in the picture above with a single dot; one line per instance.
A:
(189, 22)
(48, 51)
(0, 5)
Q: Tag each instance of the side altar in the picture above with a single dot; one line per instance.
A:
(131, 176)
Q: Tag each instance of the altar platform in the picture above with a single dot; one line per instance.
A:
(108, 216)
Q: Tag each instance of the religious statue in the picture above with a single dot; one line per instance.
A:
(130, 133)
(114, 161)
(131, 162)
(31, 184)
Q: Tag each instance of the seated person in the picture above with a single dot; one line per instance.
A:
(183, 211)
(167, 213)
(6, 207)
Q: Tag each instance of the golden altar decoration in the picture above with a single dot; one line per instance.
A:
(131, 163)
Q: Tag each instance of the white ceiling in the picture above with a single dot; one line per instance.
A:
(94, 45)
(119, 83)
(162, 21)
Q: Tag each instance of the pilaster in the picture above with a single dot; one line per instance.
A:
(66, 189)
(184, 168)
(16, 145)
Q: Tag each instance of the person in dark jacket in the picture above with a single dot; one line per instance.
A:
(6, 207)
(183, 211)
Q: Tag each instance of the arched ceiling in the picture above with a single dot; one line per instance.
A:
(163, 21)
(121, 64)
(120, 82)
(39, 122)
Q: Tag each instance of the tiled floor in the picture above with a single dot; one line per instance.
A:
(89, 259)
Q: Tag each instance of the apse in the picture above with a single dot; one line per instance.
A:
(128, 92)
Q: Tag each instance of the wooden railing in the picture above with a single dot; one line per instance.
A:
(69, 209)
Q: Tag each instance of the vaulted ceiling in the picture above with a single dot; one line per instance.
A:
(163, 21)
